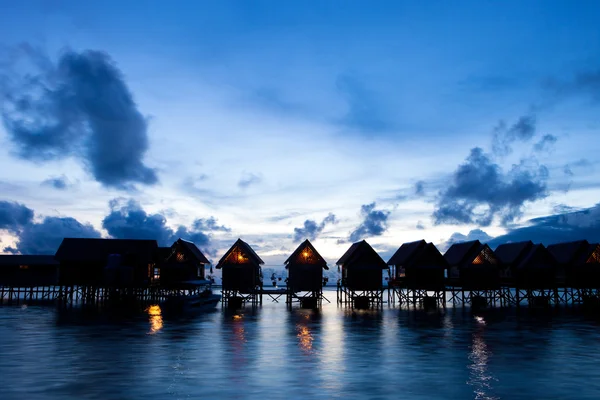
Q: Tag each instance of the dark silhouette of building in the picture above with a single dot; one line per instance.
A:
(106, 262)
(305, 269)
(578, 264)
(241, 268)
(180, 263)
(527, 265)
(473, 265)
(28, 270)
(418, 265)
(361, 267)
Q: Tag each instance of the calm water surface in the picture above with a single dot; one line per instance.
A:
(274, 353)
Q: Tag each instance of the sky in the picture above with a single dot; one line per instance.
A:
(274, 122)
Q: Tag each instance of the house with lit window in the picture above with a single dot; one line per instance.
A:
(578, 264)
(241, 268)
(28, 270)
(181, 263)
(305, 269)
(473, 265)
(418, 265)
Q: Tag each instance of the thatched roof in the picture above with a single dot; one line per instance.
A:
(406, 252)
(512, 253)
(362, 255)
(307, 244)
(98, 250)
(569, 252)
(192, 250)
(244, 248)
(9, 260)
(537, 257)
(463, 254)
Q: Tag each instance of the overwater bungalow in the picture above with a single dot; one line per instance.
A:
(361, 268)
(527, 265)
(305, 269)
(179, 264)
(28, 270)
(106, 262)
(241, 268)
(578, 264)
(473, 266)
(418, 265)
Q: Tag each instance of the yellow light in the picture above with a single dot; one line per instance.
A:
(305, 338)
(305, 254)
(240, 257)
(156, 321)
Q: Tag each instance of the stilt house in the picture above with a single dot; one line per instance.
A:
(528, 265)
(106, 262)
(578, 264)
(28, 271)
(473, 265)
(241, 268)
(418, 265)
(362, 267)
(305, 269)
(181, 263)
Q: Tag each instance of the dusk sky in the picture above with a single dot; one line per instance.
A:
(277, 121)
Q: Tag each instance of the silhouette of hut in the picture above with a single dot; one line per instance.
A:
(305, 269)
(578, 264)
(362, 267)
(241, 268)
(418, 265)
(106, 262)
(473, 265)
(180, 263)
(28, 270)
(527, 265)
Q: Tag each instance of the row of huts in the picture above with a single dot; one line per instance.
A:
(418, 265)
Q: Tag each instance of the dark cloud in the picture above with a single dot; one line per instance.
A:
(14, 216)
(128, 220)
(79, 107)
(45, 237)
(58, 182)
(479, 190)
(420, 188)
(420, 226)
(457, 237)
(545, 143)
(249, 179)
(365, 111)
(562, 227)
(504, 136)
(581, 164)
(585, 83)
(374, 223)
(311, 229)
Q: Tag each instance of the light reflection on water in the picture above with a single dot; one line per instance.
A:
(275, 353)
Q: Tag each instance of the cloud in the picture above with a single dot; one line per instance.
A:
(420, 226)
(79, 107)
(479, 190)
(581, 164)
(374, 223)
(365, 111)
(561, 227)
(523, 130)
(249, 179)
(585, 83)
(311, 229)
(457, 237)
(128, 220)
(57, 182)
(545, 143)
(45, 237)
(420, 188)
(14, 216)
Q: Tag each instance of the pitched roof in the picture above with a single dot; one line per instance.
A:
(301, 247)
(245, 247)
(458, 252)
(94, 250)
(359, 250)
(194, 250)
(569, 252)
(529, 260)
(406, 252)
(509, 253)
(7, 260)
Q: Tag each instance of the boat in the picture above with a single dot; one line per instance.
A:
(200, 301)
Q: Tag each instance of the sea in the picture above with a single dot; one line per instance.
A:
(274, 352)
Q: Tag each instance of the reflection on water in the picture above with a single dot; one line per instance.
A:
(156, 321)
(276, 353)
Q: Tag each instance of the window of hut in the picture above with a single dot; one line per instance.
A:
(156, 274)
(595, 257)
(23, 266)
(180, 257)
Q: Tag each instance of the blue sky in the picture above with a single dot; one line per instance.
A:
(261, 120)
